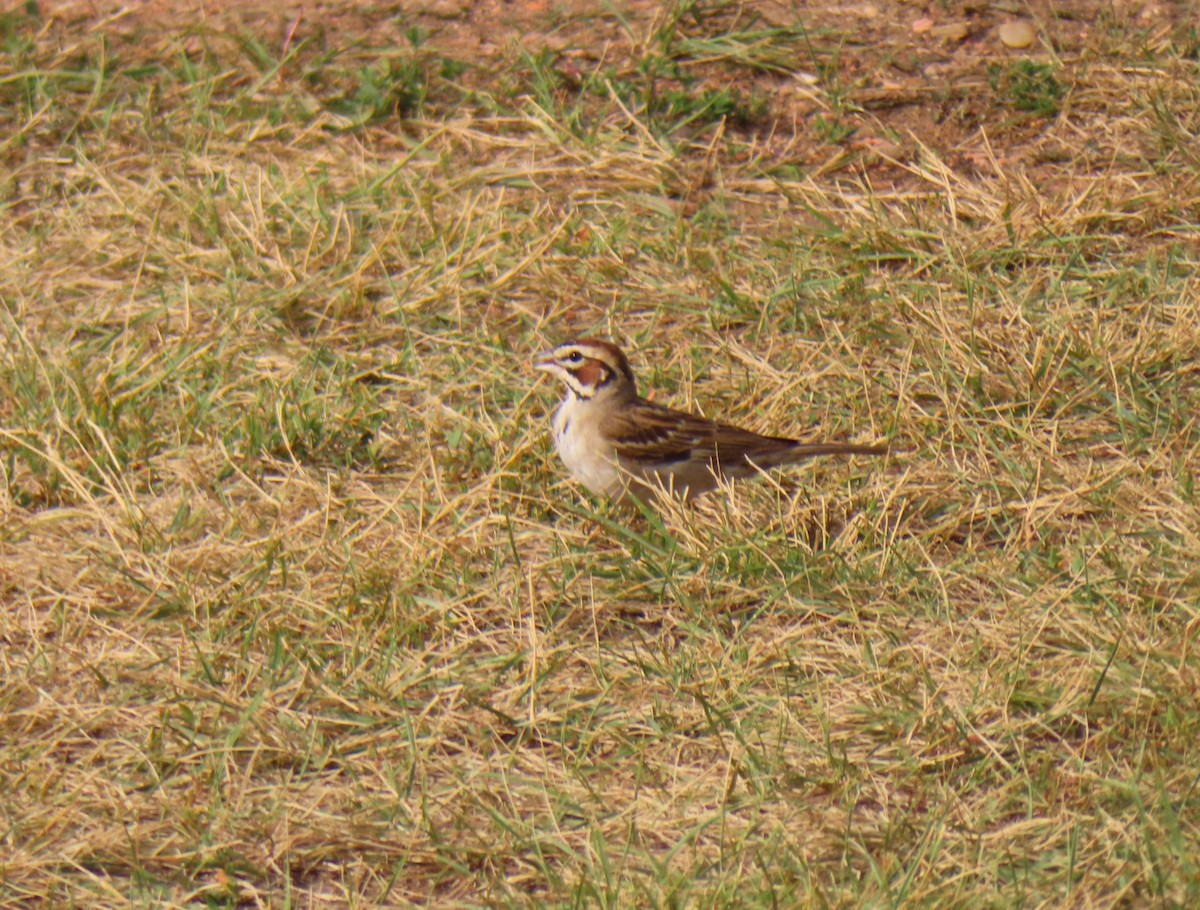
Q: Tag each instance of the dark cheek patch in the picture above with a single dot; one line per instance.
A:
(592, 374)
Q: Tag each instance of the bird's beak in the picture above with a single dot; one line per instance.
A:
(543, 361)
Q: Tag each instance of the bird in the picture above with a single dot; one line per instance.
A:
(622, 446)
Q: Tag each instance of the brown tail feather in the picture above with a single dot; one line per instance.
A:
(777, 456)
(813, 449)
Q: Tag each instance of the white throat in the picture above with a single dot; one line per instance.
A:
(583, 449)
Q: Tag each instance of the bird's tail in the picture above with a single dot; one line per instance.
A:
(802, 450)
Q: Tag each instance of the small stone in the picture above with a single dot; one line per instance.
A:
(1017, 34)
(951, 32)
(448, 9)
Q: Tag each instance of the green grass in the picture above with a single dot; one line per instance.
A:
(300, 610)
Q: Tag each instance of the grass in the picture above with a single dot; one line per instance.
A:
(299, 609)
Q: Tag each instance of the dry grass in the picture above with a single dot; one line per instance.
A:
(299, 610)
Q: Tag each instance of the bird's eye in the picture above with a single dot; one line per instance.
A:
(574, 357)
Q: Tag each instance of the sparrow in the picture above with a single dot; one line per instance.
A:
(619, 445)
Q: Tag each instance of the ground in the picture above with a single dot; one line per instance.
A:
(300, 609)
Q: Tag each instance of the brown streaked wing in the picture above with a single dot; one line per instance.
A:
(657, 435)
(652, 434)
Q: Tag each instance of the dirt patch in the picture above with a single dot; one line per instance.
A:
(880, 80)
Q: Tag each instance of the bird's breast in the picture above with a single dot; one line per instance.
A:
(583, 449)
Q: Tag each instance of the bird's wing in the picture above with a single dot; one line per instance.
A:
(653, 435)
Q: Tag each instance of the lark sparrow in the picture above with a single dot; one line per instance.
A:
(617, 444)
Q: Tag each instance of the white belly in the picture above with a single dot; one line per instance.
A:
(584, 452)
